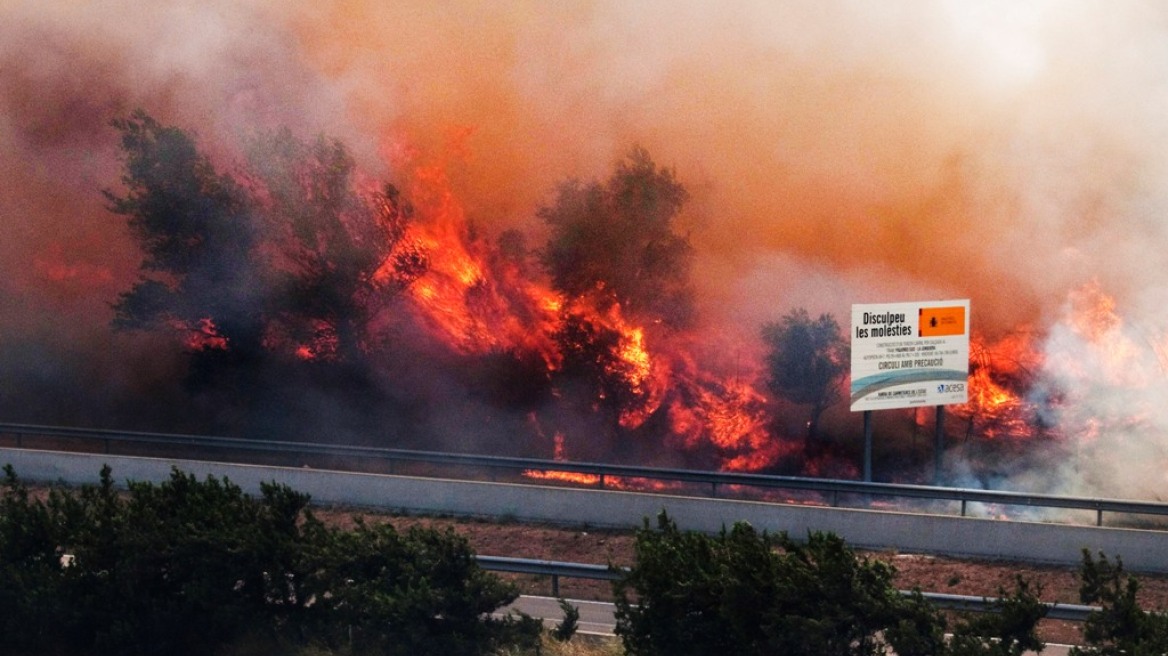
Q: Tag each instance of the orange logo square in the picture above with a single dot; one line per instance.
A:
(941, 321)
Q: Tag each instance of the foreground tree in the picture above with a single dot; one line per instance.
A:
(192, 567)
(749, 593)
(806, 362)
(1121, 626)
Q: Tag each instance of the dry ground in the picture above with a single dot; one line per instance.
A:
(588, 545)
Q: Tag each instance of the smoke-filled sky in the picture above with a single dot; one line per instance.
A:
(836, 152)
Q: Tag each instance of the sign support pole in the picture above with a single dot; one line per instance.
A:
(939, 445)
(867, 446)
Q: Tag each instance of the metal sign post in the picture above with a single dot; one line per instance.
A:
(939, 445)
(867, 446)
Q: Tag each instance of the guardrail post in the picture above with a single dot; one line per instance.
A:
(835, 498)
(714, 489)
(556, 585)
(1099, 517)
(963, 502)
(602, 481)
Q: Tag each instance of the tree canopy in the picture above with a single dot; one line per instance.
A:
(750, 593)
(199, 233)
(806, 361)
(285, 257)
(193, 567)
(616, 242)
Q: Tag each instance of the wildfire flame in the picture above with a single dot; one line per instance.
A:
(1091, 348)
(725, 414)
(999, 376)
(202, 336)
(652, 382)
(1115, 355)
(562, 476)
(1097, 356)
(479, 301)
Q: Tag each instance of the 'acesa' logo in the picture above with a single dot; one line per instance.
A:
(950, 387)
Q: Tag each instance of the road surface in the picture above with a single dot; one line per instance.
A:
(596, 617)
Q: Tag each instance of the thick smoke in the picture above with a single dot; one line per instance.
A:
(835, 153)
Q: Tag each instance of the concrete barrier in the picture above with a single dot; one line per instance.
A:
(1141, 550)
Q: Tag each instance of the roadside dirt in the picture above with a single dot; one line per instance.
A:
(587, 545)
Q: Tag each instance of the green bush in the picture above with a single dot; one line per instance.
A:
(1121, 626)
(189, 567)
(567, 627)
(743, 592)
(1006, 629)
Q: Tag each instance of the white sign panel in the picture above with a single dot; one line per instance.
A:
(909, 354)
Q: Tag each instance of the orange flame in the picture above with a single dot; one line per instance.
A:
(1114, 355)
(728, 416)
(204, 335)
(999, 375)
(635, 366)
(561, 476)
(479, 302)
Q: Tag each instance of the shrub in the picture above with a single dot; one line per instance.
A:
(1007, 629)
(1121, 626)
(189, 566)
(744, 592)
(571, 622)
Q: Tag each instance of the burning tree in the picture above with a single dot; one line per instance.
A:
(331, 244)
(614, 256)
(286, 280)
(614, 243)
(199, 231)
(806, 362)
(262, 272)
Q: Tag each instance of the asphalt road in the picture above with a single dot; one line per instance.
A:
(596, 617)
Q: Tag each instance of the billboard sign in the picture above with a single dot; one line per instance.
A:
(909, 354)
